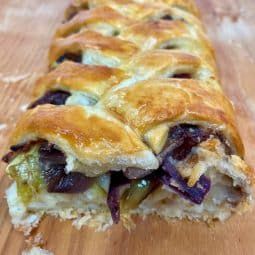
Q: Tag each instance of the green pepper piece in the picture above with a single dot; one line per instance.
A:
(24, 169)
(97, 190)
(137, 192)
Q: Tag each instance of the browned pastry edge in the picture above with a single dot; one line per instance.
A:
(78, 43)
(86, 133)
(77, 5)
(92, 79)
(83, 18)
(143, 106)
(111, 134)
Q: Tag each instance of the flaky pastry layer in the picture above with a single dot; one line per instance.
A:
(132, 89)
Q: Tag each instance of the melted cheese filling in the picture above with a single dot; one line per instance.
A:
(229, 193)
(102, 28)
(78, 98)
(94, 57)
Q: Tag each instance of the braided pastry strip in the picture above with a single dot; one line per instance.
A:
(129, 82)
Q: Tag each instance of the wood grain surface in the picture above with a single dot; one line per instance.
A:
(26, 28)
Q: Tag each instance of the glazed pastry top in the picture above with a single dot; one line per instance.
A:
(147, 65)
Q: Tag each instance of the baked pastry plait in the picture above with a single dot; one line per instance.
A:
(130, 119)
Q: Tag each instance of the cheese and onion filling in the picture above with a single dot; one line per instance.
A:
(61, 97)
(202, 174)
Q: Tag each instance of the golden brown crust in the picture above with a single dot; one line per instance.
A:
(160, 30)
(167, 63)
(133, 6)
(78, 43)
(77, 127)
(153, 58)
(175, 33)
(164, 75)
(87, 134)
(94, 80)
(143, 106)
(89, 17)
(187, 5)
(161, 59)
(145, 47)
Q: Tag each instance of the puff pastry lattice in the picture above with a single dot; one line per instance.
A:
(133, 114)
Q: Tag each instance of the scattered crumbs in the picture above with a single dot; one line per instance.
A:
(14, 15)
(251, 105)
(228, 30)
(37, 251)
(36, 240)
(232, 103)
(233, 15)
(29, 77)
(13, 78)
(3, 126)
(23, 107)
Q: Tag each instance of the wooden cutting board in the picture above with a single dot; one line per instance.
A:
(26, 28)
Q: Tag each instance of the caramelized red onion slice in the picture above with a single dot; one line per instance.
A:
(172, 179)
(182, 76)
(22, 147)
(119, 183)
(74, 182)
(52, 163)
(9, 156)
(133, 173)
(186, 137)
(57, 97)
(70, 56)
(71, 15)
(224, 141)
(73, 11)
(181, 140)
(16, 150)
(167, 17)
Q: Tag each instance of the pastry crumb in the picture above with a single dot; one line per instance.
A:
(14, 78)
(37, 251)
(23, 107)
(3, 126)
(36, 240)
